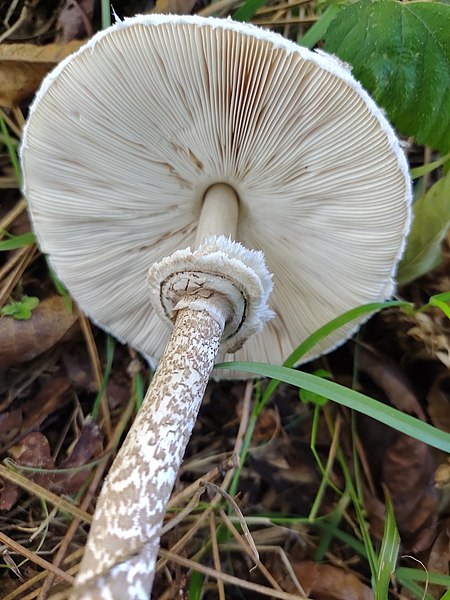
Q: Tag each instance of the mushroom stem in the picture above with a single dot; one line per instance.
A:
(120, 556)
(219, 215)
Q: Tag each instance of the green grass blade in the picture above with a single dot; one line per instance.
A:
(106, 13)
(387, 558)
(17, 241)
(195, 586)
(248, 10)
(351, 399)
(12, 151)
(316, 32)
(334, 324)
(322, 332)
(423, 576)
(429, 167)
(110, 345)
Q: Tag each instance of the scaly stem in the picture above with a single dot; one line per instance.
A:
(121, 551)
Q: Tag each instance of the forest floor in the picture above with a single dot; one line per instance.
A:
(305, 508)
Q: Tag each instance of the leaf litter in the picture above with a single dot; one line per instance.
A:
(49, 385)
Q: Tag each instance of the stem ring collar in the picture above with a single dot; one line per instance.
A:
(222, 277)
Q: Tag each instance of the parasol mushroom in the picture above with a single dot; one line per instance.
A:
(167, 142)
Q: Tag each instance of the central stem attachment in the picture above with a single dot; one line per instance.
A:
(215, 296)
(219, 215)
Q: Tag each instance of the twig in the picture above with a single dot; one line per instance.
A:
(216, 555)
(41, 492)
(35, 558)
(229, 579)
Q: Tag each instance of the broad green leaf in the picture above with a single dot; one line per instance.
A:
(400, 51)
(430, 225)
(351, 399)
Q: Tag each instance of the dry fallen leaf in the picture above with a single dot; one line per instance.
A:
(439, 559)
(52, 397)
(23, 66)
(34, 451)
(89, 445)
(9, 494)
(388, 376)
(406, 465)
(29, 415)
(330, 583)
(24, 340)
(408, 473)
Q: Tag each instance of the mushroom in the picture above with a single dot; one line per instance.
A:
(167, 142)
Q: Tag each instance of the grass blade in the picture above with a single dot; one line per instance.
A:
(387, 558)
(351, 399)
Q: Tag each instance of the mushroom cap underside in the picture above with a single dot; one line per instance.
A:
(125, 137)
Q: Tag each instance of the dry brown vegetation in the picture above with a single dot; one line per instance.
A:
(247, 537)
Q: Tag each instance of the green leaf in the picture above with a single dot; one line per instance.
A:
(430, 225)
(442, 301)
(400, 51)
(351, 399)
(21, 310)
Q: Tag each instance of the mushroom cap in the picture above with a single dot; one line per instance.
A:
(126, 135)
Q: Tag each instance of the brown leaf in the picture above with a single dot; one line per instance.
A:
(408, 473)
(34, 451)
(407, 466)
(9, 494)
(439, 559)
(388, 376)
(89, 445)
(50, 398)
(32, 412)
(327, 582)
(24, 340)
(23, 66)
(10, 425)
